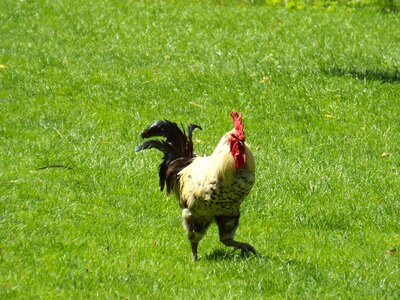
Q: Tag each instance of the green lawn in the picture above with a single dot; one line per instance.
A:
(81, 215)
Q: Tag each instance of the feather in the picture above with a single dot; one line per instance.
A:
(177, 148)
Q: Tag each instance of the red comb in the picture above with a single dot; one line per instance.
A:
(238, 125)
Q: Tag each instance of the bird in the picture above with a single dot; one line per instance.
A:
(209, 188)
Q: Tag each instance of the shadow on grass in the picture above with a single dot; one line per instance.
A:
(388, 6)
(375, 75)
(231, 255)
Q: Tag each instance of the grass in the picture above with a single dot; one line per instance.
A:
(80, 213)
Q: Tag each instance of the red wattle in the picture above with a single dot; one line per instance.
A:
(238, 153)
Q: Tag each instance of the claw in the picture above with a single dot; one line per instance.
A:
(246, 249)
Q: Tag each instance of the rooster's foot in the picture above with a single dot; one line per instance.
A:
(246, 249)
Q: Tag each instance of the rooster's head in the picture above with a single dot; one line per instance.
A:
(236, 140)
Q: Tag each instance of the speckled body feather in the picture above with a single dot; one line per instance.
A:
(212, 186)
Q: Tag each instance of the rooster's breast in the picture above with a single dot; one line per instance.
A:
(205, 192)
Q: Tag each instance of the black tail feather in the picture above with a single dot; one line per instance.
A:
(177, 149)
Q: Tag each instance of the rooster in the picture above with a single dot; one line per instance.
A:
(209, 189)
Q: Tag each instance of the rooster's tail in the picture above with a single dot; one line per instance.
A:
(177, 148)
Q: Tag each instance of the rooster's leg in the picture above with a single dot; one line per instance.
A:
(227, 226)
(195, 229)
